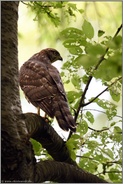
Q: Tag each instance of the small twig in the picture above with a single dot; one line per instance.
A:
(100, 112)
(118, 30)
(113, 162)
(90, 158)
(24, 3)
(109, 172)
(101, 92)
(98, 130)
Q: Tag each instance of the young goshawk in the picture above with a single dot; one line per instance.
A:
(42, 86)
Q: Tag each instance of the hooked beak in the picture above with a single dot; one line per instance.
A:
(61, 58)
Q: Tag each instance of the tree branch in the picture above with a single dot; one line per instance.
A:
(66, 170)
(110, 172)
(85, 104)
(44, 133)
(63, 173)
(90, 77)
(104, 129)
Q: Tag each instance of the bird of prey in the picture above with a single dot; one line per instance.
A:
(42, 86)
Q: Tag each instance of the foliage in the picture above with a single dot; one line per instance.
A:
(51, 16)
(53, 11)
(97, 151)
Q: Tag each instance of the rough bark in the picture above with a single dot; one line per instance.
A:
(63, 173)
(16, 152)
(42, 132)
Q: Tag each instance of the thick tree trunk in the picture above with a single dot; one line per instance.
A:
(14, 135)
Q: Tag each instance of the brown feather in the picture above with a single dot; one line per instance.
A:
(42, 85)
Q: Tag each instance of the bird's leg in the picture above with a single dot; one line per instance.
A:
(46, 118)
(38, 112)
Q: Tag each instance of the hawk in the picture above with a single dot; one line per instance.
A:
(42, 85)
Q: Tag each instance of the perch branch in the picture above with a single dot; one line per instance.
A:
(63, 173)
(44, 133)
(64, 169)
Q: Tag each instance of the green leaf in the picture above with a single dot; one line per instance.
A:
(75, 50)
(92, 144)
(99, 157)
(115, 175)
(88, 29)
(108, 152)
(89, 117)
(71, 148)
(85, 79)
(89, 165)
(71, 42)
(111, 67)
(77, 102)
(73, 145)
(75, 136)
(72, 5)
(100, 33)
(73, 95)
(85, 60)
(36, 146)
(112, 124)
(115, 89)
(117, 129)
(76, 81)
(104, 137)
(118, 41)
(94, 49)
(115, 97)
(115, 43)
(82, 127)
(66, 65)
(72, 32)
(81, 11)
(110, 108)
(116, 136)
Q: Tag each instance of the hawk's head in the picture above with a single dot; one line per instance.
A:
(52, 54)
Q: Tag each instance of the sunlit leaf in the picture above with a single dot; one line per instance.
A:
(114, 175)
(90, 117)
(108, 152)
(76, 50)
(36, 146)
(73, 95)
(88, 29)
(108, 106)
(117, 129)
(82, 127)
(72, 33)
